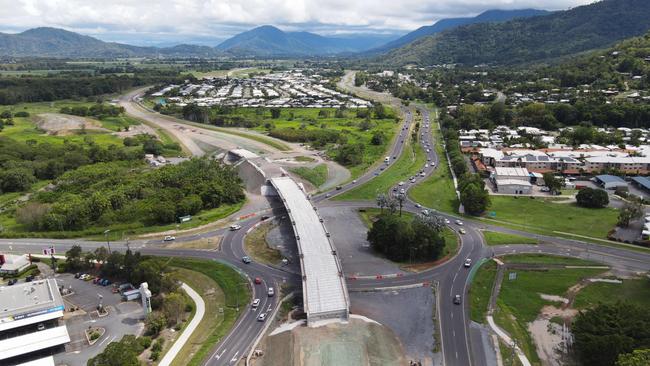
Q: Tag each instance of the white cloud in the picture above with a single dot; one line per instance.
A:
(218, 19)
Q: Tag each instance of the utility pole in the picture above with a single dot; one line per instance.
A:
(108, 243)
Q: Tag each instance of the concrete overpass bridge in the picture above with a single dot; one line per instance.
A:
(325, 294)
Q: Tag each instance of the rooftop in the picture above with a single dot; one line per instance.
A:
(28, 299)
(605, 178)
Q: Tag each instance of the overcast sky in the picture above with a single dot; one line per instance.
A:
(210, 21)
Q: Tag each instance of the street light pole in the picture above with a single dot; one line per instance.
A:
(107, 241)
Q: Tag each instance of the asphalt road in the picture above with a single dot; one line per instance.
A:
(452, 276)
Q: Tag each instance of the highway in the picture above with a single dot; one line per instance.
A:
(452, 276)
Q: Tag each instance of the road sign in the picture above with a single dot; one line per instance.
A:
(492, 214)
(512, 276)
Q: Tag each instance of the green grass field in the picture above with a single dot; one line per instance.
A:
(409, 163)
(316, 175)
(636, 291)
(496, 238)
(544, 216)
(547, 259)
(437, 191)
(480, 291)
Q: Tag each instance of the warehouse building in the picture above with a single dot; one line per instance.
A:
(512, 180)
(610, 181)
(31, 329)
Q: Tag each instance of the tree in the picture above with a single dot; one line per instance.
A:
(173, 307)
(554, 184)
(122, 353)
(155, 323)
(101, 254)
(632, 209)
(592, 198)
(638, 357)
(473, 196)
(73, 258)
(275, 113)
(378, 138)
(608, 330)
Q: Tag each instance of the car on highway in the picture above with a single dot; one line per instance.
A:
(425, 212)
(402, 191)
(246, 259)
(400, 184)
(338, 188)
(255, 303)
(423, 174)
(418, 205)
(459, 223)
(457, 300)
(271, 292)
(235, 227)
(169, 238)
(468, 262)
(258, 281)
(447, 222)
(462, 231)
(261, 317)
(354, 181)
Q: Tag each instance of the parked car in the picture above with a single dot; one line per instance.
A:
(264, 217)
(12, 282)
(235, 227)
(77, 275)
(29, 278)
(169, 238)
(246, 259)
(40, 326)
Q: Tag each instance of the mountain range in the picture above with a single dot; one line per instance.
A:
(541, 38)
(444, 24)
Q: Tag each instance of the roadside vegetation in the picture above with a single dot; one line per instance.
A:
(497, 238)
(257, 247)
(480, 291)
(316, 175)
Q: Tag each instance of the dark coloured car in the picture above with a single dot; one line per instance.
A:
(12, 282)
(457, 299)
(246, 259)
(338, 188)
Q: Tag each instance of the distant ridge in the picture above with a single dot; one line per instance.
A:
(558, 34)
(444, 24)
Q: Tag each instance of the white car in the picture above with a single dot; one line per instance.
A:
(400, 184)
(354, 181)
(418, 205)
(447, 221)
(462, 231)
(271, 291)
(459, 223)
(402, 191)
(169, 238)
(255, 303)
(235, 227)
(468, 262)
(261, 317)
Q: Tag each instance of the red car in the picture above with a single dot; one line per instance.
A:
(258, 281)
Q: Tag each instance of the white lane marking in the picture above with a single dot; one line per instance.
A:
(220, 354)
(234, 359)
(454, 333)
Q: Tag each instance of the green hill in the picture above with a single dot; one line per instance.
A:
(532, 39)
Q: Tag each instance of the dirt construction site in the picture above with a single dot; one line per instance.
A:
(359, 342)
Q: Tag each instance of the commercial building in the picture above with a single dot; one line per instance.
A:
(30, 323)
(13, 264)
(512, 180)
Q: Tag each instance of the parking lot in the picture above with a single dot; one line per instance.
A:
(123, 318)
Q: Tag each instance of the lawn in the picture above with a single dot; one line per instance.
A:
(409, 163)
(256, 246)
(316, 175)
(480, 291)
(547, 259)
(437, 191)
(497, 238)
(118, 123)
(236, 293)
(636, 291)
(542, 215)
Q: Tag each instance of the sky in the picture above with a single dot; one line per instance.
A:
(167, 22)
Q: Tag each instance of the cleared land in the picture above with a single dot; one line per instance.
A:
(496, 238)
(636, 291)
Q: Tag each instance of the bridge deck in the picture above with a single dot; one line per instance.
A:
(324, 291)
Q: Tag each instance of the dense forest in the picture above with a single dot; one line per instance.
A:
(124, 192)
(75, 85)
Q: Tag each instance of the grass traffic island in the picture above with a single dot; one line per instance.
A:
(497, 238)
(480, 291)
(369, 215)
(223, 289)
(256, 246)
